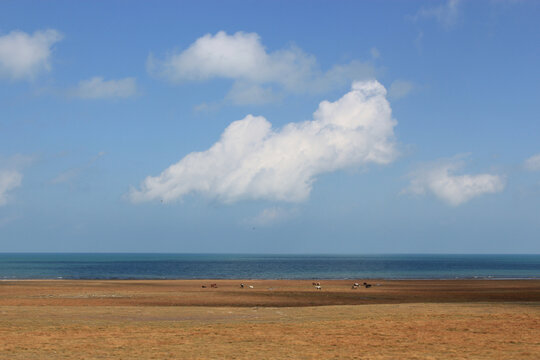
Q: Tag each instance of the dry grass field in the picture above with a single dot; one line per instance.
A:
(274, 320)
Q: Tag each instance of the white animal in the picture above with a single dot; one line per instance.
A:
(251, 286)
(318, 287)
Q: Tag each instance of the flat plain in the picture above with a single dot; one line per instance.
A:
(276, 319)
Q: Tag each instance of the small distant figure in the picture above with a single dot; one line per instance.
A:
(251, 286)
(367, 285)
(242, 286)
(355, 286)
(204, 286)
(213, 286)
(318, 287)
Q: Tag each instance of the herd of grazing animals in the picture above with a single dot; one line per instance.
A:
(317, 285)
(357, 285)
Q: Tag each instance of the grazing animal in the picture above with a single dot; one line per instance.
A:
(213, 286)
(368, 286)
(251, 286)
(204, 286)
(318, 287)
(242, 286)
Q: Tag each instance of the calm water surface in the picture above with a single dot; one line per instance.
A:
(230, 266)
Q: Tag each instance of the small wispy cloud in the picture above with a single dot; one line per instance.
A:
(71, 174)
(23, 55)
(11, 174)
(446, 14)
(9, 180)
(533, 163)
(375, 53)
(242, 93)
(399, 89)
(271, 216)
(99, 88)
(439, 179)
(6, 220)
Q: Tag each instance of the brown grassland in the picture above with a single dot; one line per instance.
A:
(276, 319)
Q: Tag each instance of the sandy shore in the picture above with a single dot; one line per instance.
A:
(276, 319)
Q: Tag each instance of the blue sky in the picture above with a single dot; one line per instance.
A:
(270, 127)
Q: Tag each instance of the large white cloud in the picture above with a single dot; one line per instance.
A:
(439, 179)
(9, 180)
(243, 58)
(533, 163)
(98, 88)
(254, 161)
(23, 55)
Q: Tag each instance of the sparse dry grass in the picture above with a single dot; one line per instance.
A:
(146, 320)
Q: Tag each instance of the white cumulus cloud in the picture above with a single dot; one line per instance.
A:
(9, 180)
(242, 58)
(439, 179)
(254, 161)
(23, 55)
(533, 163)
(98, 88)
